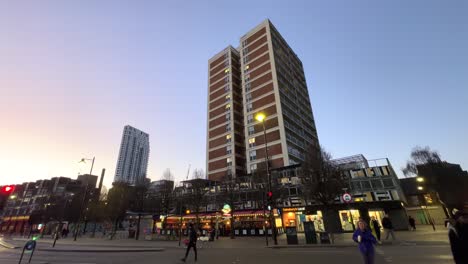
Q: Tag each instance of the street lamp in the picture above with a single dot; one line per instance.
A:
(261, 117)
(424, 207)
(83, 160)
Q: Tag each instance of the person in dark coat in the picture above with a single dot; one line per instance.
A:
(458, 236)
(363, 236)
(376, 226)
(388, 227)
(192, 242)
(412, 223)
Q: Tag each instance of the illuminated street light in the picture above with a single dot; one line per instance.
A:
(260, 117)
(420, 188)
(420, 179)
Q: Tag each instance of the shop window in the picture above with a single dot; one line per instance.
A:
(318, 221)
(349, 219)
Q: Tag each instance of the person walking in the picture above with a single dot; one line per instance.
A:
(375, 226)
(192, 243)
(388, 227)
(458, 236)
(412, 223)
(366, 241)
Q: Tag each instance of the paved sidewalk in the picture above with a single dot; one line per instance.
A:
(423, 236)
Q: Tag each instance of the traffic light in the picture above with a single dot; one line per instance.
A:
(7, 190)
(270, 199)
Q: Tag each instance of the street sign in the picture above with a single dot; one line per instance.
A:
(347, 197)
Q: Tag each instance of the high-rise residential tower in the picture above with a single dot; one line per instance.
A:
(133, 157)
(272, 83)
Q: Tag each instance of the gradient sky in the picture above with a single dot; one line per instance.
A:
(383, 77)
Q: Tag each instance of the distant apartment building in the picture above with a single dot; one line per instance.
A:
(263, 75)
(133, 158)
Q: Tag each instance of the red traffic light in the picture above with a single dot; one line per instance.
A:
(8, 189)
(270, 194)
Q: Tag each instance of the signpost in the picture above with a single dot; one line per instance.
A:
(347, 197)
(29, 246)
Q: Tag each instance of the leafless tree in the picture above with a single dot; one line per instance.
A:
(420, 156)
(167, 175)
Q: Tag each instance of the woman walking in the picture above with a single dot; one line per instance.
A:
(366, 241)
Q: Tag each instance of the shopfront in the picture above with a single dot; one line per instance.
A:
(296, 216)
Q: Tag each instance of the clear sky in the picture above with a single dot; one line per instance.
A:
(383, 77)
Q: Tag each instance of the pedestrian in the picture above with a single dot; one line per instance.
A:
(388, 227)
(412, 223)
(64, 233)
(192, 243)
(375, 226)
(366, 241)
(458, 236)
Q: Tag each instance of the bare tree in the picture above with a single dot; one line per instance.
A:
(420, 156)
(322, 180)
(230, 195)
(198, 174)
(196, 197)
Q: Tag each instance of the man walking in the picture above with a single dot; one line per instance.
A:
(412, 223)
(192, 242)
(375, 226)
(458, 236)
(388, 227)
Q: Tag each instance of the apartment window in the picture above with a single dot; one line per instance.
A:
(229, 162)
(244, 43)
(228, 117)
(247, 78)
(246, 50)
(226, 79)
(228, 107)
(228, 149)
(247, 86)
(250, 118)
(249, 107)
(226, 63)
(228, 98)
(251, 142)
(228, 138)
(248, 97)
(251, 130)
(228, 127)
(246, 59)
(253, 155)
(227, 70)
(253, 167)
(226, 55)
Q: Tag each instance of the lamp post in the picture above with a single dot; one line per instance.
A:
(83, 202)
(261, 118)
(83, 160)
(420, 187)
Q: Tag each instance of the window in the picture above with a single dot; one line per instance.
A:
(228, 127)
(244, 43)
(253, 155)
(226, 88)
(228, 98)
(251, 130)
(250, 118)
(388, 183)
(246, 59)
(226, 79)
(253, 167)
(227, 70)
(228, 149)
(228, 138)
(247, 78)
(226, 55)
(228, 117)
(249, 107)
(251, 142)
(229, 162)
(246, 50)
(228, 107)
(226, 63)
(248, 97)
(247, 86)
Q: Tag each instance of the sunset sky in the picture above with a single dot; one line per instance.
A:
(383, 77)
